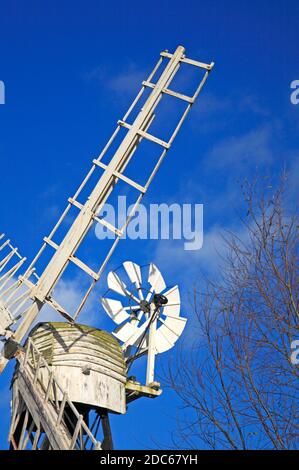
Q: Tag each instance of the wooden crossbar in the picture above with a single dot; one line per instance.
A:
(74, 260)
(101, 221)
(185, 60)
(122, 177)
(180, 96)
(146, 135)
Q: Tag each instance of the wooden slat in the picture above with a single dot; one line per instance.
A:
(84, 267)
(122, 177)
(36, 438)
(109, 226)
(146, 135)
(198, 64)
(76, 432)
(180, 96)
(54, 304)
(201, 65)
(11, 271)
(4, 244)
(75, 203)
(74, 260)
(6, 260)
(51, 243)
(103, 222)
(16, 413)
(62, 407)
(26, 282)
(22, 436)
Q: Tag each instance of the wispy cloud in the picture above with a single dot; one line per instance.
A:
(189, 269)
(220, 173)
(188, 266)
(215, 181)
(126, 82)
(242, 151)
(217, 113)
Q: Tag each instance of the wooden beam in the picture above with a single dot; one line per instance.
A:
(180, 96)
(121, 177)
(201, 65)
(146, 135)
(135, 390)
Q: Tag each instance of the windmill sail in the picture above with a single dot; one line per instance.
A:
(13, 294)
(40, 289)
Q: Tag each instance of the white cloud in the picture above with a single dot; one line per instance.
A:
(238, 153)
(187, 266)
(127, 82)
(215, 113)
(293, 178)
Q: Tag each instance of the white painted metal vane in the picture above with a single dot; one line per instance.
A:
(134, 308)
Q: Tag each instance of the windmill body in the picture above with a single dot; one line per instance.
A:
(68, 376)
(66, 382)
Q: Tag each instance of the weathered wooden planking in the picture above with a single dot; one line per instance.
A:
(87, 362)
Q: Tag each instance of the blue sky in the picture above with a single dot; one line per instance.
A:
(71, 69)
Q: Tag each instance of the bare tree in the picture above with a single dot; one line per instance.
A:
(238, 387)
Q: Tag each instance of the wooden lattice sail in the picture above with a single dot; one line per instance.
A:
(40, 289)
(68, 377)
